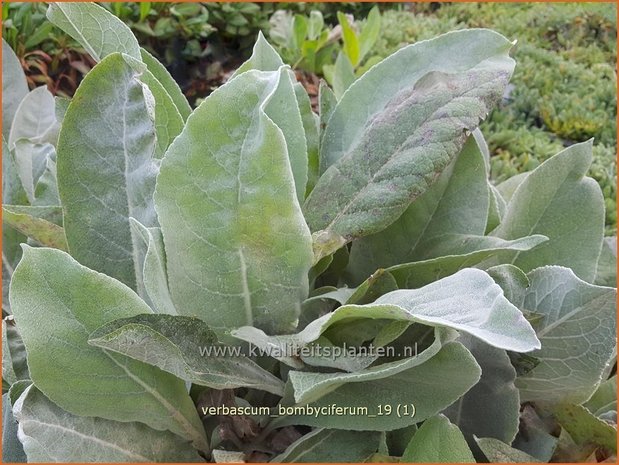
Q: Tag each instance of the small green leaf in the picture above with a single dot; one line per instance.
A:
(154, 272)
(438, 441)
(574, 311)
(12, 449)
(512, 280)
(29, 221)
(50, 434)
(167, 81)
(351, 42)
(606, 273)
(331, 446)
(169, 343)
(604, 399)
(343, 75)
(96, 29)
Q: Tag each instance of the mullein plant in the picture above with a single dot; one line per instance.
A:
(150, 248)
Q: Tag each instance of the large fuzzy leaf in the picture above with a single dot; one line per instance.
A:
(577, 332)
(457, 203)
(285, 110)
(492, 407)
(106, 172)
(438, 441)
(429, 384)
(50, 434)
(558, 201)
(374, 172)
(498, 451)
(48, 285)
(585, 428)
(96, 29)
(469, 301)
(14, 86)
(238, 249)
(169, 342)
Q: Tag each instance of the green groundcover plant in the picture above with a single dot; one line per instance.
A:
(251, 281)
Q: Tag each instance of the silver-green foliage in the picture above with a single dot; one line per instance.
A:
(177, 259)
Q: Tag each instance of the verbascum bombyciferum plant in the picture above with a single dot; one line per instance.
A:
(251, 281)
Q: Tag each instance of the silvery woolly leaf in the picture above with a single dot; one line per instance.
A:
(49, 434)
(578, 336)
(238, 249)
(48, 285)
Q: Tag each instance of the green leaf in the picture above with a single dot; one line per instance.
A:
(169, 343)
(497, 451)
(168, 121)
(447, 302)
(50, 434)
(14, 86)
(154, 273)
(606, 273)
(373, 94)
(108, 169)
(310, 126)
(238, 249)
(31, 161)
(351, 42)
(35, 118)
(284, 108)
(491, 408)
(315, 24)
(438, 441)
(585, 428)
(331, 446)
(507, 188)
(430, 383)
(32, 222)
(512, 280)
(48, 285)
(12, 449)
(96, 29)
(13, 348)
(558, 201)
(604, 399)
(370, 32)
(46, 189)
(578, 336)
(457, 203)
(343, 75)
(263, 58)
(327, 101)
(167, 81)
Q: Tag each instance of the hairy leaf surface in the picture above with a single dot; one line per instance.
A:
(48, 285)
(107, 168)
(238, 249)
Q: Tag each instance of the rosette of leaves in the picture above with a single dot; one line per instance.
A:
(180, 239)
